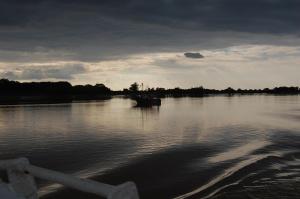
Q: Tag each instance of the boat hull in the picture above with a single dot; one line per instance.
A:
(147, 102)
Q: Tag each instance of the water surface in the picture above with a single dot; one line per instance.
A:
(187, 148)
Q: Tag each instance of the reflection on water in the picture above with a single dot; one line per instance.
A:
(238, 152)
(187, 148)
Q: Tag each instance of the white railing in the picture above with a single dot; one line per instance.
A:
(21, 178)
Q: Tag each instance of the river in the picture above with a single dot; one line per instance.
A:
(187, 148)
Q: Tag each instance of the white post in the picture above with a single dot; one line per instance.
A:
(22, 183)
(20, 174)
(127, 190)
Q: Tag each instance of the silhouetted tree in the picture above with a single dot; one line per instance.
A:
(49, 91)
(134, 87)
(14, 90)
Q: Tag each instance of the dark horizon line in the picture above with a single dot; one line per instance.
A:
(148, 89)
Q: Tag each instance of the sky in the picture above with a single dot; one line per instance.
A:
(161, 43)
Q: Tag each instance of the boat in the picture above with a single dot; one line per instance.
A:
(146, 101)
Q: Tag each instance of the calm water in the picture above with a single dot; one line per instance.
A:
(189, 147)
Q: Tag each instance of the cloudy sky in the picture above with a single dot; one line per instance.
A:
(166, 43)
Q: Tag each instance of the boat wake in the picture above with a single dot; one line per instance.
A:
(223, 180)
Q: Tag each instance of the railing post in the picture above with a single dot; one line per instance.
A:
(23, 183)
(21, 179)
(127, 190)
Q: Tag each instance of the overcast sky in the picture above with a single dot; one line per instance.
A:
(165, 43)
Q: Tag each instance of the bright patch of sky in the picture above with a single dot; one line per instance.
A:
(242, 66)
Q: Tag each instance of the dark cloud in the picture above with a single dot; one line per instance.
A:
(66, 72)
(247, 15)
(91, 30)
(9, 75)
(193, 55)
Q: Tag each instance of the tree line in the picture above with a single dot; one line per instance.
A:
(64, 90)
(201, 91)
(14, 91)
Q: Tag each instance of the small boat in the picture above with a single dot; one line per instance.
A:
(146, 101)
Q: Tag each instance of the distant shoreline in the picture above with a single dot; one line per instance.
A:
(19, 100)
(27, 100)
(14, 92)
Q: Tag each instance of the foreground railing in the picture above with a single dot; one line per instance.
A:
(21, 178)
